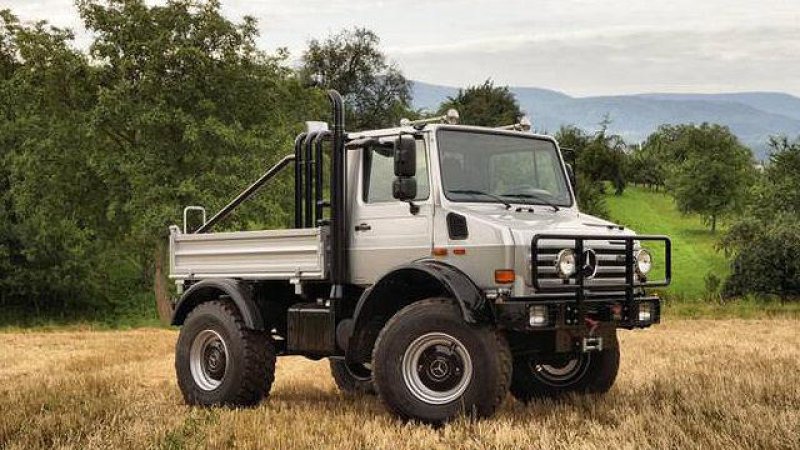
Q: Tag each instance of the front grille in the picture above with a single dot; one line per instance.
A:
(610, 267)
(614, 260)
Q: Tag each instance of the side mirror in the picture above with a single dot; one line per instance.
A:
(404, 188)
(405, 156)
(571, 176)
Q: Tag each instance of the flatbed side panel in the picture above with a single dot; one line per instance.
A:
(257, 255)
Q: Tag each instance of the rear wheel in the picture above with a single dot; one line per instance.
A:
(352, 378)
(430, 365)
(541, 377)
(219, 361)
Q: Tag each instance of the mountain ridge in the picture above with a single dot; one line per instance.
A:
(752, 116)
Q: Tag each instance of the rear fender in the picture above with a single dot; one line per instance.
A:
(212, 289)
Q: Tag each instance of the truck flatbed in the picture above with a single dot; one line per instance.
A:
(255, 255)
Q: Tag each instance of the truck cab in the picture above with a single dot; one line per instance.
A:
(450, 266)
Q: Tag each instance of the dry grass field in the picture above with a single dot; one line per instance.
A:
(685, 384)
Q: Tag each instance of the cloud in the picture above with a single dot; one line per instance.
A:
(631, 61)
(578, 46)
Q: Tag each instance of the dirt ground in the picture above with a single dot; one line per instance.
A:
(684, 384)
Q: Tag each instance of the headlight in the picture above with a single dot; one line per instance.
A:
(538, 316)
(645, 312)
(566, 265)
(644, 262)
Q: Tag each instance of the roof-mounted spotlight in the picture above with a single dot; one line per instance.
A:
(524, 124)
(450, 117)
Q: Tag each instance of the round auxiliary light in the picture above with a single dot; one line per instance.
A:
(451, 117)
(644, 262)
(525, 123)
(566, 263)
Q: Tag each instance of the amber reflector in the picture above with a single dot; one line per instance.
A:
(439, 251)
(504, 276)
(460, 251)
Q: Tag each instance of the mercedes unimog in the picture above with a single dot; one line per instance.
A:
(435, 264)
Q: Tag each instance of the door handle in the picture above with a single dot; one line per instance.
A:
(363, 227)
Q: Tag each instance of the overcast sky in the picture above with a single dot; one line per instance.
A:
(581, 47)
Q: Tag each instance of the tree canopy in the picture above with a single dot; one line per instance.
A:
(172, 105)
(376, 93)
(708, 170)
(485, 105)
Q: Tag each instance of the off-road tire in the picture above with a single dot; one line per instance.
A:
(488, 352)
(355, 380)
(250, 368)
(597, 377)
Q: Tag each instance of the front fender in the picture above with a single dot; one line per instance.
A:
(401, 287)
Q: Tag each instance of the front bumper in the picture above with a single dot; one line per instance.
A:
(515, 313)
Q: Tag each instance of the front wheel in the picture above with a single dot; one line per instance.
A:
(221, 362)
(542, 377)
(430, 365)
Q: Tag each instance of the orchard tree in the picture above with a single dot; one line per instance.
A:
(484, 105)
(765, 240)
(375, 91)
(711, 171)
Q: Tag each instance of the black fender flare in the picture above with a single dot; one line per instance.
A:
(444, 278)
(211, 289)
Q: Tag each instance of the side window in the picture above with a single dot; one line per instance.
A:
(379, 174)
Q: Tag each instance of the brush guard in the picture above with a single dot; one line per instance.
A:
(631, 284)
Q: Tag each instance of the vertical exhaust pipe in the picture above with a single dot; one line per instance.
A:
(319, 169)
(339, 202)
(309, 178)
(298, 180)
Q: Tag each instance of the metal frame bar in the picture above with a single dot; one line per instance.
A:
(247, 193)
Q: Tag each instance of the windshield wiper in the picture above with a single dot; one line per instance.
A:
(476, 192)
(535, 197)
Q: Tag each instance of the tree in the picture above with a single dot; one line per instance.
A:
(709, 170)
(765, 241)
(485, 105)
(375, 91)
(189, 110)
(589, 190)
(52, 200)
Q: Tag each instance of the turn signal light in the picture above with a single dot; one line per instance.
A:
(503, 276)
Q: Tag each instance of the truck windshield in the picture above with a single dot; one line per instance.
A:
(518, 169)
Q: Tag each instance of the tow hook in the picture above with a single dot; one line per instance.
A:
(592, 344)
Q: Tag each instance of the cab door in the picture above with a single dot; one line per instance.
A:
(384, 232)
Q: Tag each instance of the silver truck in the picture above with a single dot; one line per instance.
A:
(438, 265)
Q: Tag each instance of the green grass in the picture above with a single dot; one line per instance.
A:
(694, 255)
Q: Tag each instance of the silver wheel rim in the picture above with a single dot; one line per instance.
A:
(562, 375)
(437, 368)
(208, 360)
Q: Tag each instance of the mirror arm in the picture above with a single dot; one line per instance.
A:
(413, 208)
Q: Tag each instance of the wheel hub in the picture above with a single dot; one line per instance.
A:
(437, 368)
(563, 372)
(208, 360)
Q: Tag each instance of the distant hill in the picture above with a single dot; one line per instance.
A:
(752, 116)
